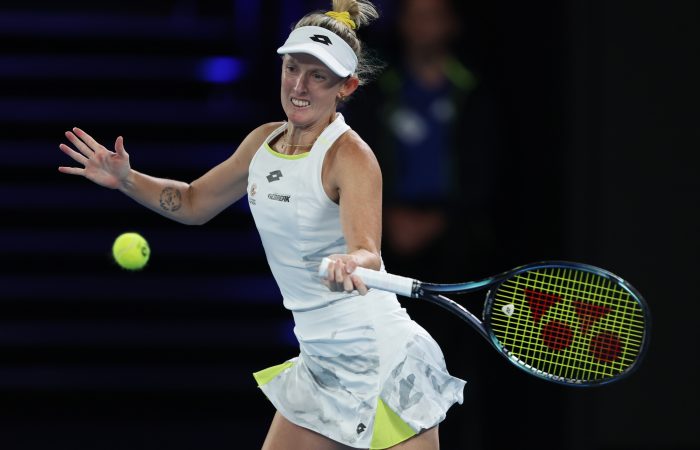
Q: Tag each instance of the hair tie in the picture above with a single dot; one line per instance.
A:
(343, 17)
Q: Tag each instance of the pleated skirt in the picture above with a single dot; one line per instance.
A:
(367, 375)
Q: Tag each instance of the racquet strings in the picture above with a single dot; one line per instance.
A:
(568, 323)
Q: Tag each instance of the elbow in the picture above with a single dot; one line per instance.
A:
(196, 220)
(200, 221)
(194, 215)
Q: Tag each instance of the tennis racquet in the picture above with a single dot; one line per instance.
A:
(565, 322)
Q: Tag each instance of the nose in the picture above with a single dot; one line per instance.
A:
(300, 84)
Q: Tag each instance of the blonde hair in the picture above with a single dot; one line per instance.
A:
(361, 13)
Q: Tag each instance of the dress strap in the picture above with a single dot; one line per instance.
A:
(329, 135)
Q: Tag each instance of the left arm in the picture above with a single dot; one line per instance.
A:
(351, 177)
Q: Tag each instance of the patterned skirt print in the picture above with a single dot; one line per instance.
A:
(367, 375)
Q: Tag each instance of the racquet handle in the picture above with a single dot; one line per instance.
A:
(375, 279)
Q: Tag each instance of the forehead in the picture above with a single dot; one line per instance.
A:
(305, 60)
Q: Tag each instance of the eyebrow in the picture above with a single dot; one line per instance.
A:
(315, 66)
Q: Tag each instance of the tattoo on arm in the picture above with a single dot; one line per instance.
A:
(170, 199)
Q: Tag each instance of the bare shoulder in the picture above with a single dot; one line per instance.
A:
(351, 150)
(350, 164)
(254, 140)
(267, 128)
(256, 137)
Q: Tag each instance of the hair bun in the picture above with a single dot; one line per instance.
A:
(343, 17)
(360, 12)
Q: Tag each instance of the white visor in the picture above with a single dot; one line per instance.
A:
(325, 45)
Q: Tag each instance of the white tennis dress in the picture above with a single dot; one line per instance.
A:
(367, 375)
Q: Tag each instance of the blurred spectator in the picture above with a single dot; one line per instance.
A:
(432, 128)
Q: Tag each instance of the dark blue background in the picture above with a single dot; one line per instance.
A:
(600, 117)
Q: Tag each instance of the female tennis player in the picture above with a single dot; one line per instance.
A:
(367, 376)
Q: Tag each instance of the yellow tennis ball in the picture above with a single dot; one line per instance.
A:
(131, 251)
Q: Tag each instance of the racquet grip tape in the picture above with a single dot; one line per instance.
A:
(375, 279)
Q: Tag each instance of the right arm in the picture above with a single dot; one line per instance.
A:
(193, 203)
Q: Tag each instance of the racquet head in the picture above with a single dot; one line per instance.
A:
(569, 323)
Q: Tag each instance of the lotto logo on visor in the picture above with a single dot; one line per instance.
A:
(322, 39)
(325, 45)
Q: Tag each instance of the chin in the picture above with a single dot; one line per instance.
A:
(300, 120)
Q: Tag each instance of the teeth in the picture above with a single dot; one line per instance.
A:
(300, 103)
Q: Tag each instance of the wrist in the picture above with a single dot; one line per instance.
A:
(128, 182)
(366, 258)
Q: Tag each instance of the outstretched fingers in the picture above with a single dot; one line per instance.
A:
(72, 170)
(79, 144)
(94, 145)
(79, 158)
(86, 147)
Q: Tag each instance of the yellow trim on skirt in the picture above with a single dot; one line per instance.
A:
(389, 428)
(266, 375)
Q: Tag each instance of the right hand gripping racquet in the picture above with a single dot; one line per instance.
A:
(565, 322)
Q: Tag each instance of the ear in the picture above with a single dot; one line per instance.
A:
(349, 86)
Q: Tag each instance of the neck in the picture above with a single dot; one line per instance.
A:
(303, 138)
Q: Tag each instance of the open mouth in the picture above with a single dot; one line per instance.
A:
(300, 103)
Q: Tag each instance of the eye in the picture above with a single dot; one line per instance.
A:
(290, 68)
(319, 77)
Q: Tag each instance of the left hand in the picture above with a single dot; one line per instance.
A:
(340, 277)
(100, 165)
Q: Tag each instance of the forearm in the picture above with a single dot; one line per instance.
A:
(169, 198)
